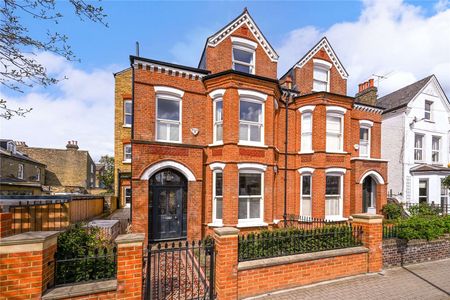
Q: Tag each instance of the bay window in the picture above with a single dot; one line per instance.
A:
(251, 121)
(334, 185)
(418, 147)
(335, 132)
(218, 120)
(217, 196)
(251, 189)
(435, 149)
(306, 135)
(306, 199)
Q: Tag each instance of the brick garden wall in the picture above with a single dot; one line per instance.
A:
(253, 277)
(397, 252)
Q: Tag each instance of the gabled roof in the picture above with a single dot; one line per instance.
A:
(403, 96)
(243, 18)
(325, 44)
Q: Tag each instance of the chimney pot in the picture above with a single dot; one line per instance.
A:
(371, 82)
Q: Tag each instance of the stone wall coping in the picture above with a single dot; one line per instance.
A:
(396, 241)
(282, 260)
(32, 237)
(83, 289)
(367, 218)
(226, 231)
(130, 238)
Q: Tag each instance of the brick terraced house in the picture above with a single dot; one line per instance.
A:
(208, 144)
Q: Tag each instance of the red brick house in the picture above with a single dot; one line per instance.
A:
(208, 143)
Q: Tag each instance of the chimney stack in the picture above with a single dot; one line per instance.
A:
(72, 145)
(367, 93)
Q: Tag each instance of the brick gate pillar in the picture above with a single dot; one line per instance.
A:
(6, 221)
(129, 265)
(372, 238)
(26, 264)
(226, 281)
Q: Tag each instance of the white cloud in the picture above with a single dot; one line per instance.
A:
(78, 108)
(189, 50)
(390, 37)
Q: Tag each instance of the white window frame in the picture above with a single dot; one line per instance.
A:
(217, 123)
(125, 159)
(20, 171)
(443, 193)
(338, 172)
(306, 134)
(324, 66)
(337, 112)
(430, 112)
(256, 97)
(125, 114)
(306, 172)
(436, 151)
(169, 93)
(125, 188)
(247, 46)
(365, 124)
(248, 168)
(38, 174)
(427, 184)
(422, 150)
(215, 220)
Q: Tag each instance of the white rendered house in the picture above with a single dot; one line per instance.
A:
(415, 139)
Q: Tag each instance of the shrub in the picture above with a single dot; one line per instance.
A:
(83, 254)
(392, 211)
(423, 227)
(423, 209)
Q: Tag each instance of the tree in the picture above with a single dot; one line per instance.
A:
(18, 48)
(107, 177)
(446, 182)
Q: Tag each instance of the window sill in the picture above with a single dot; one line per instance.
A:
(429, 121)
(252, 224)
(126, 125)
(336, 152)
(252, 145)
(128, 161)
(335, 218)
(215, 224)
(216, 144)
(306, 152)
(169, 142)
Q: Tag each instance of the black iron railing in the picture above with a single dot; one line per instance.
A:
(98, 264)
(304, 222)
(390, 231)
(296, 241)
(180, 270)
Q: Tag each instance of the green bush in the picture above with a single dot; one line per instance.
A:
(423, 227)
(83, 254)
(424, 209)
(392, 211)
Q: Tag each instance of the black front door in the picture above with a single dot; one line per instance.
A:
(367, 193)
(167, 205)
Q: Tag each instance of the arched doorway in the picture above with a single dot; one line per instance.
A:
(167, 205)
(369, 195)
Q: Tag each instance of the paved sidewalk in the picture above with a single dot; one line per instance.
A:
(429, 280)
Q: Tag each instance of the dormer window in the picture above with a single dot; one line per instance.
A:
(11, 147)
(243, 55)
(428, 106)
(321, 76)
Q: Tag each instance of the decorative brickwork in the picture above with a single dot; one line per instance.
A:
(397, 252)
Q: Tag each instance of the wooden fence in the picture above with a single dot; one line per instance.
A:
(51, 213)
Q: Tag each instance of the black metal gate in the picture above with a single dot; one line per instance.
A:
(180, 270)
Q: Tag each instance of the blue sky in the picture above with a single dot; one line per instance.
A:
(405, 40)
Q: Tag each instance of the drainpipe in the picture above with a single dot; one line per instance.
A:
(287, 98)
